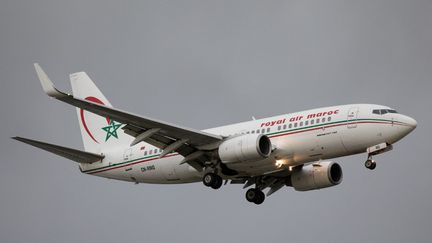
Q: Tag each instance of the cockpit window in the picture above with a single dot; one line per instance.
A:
(383, 111)
(378, 112)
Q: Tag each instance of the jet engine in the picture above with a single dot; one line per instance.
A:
(317, 176)
(248, 147)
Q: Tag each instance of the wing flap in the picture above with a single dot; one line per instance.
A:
(69, 153)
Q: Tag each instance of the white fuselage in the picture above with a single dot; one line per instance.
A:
(297, 138)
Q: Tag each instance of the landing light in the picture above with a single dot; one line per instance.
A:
(280, 162)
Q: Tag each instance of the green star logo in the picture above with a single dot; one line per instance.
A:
(111, 130)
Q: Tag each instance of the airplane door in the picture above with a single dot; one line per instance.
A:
(352, 117)
(127, 156)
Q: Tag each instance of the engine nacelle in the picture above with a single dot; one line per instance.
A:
(317, 176)
(248, 147)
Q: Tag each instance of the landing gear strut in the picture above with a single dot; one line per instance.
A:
(374, 150)
(370, 163)
(212, 180)
(255, 195)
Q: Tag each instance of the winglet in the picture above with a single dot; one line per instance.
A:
(47, 84)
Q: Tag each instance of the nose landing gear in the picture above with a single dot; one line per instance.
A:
(375, 150)
(370, 163)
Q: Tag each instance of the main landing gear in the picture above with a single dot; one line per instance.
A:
(370, 163)
(212, 180)
(255, 195)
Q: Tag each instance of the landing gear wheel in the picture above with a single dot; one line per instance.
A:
(212, 180)
(255, 195)
(370, 164)
(217, 183)
(208, 179)
(251, 195)
(260, 197)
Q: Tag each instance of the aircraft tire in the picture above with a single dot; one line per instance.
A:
(212, 180)
(251, 195)
(260, 197)
(208, 179)
(217, 182)
(255, 195)
(370, 164)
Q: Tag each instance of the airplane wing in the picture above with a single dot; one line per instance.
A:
(72, 154)
(172, 138)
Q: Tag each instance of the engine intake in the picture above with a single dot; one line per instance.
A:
(317, 176)
(248, 147)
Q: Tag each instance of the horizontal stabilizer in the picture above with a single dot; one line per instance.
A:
(72, 154)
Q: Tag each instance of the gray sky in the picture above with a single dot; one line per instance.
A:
(203, 64)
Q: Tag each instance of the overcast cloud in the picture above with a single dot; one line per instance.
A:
(203, 64)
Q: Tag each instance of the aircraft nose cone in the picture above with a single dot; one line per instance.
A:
(411, 122)
(403, 126)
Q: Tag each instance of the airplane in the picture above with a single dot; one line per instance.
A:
(294, 150)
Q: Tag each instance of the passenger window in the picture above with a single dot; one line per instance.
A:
(323, 120)
(253, 132)
(247, 132)
(151, 151)
(317, 120)
(312, 122)
(258, 131)
(279, 128)
(306, 123)
(329, 118)
(301, 124)
(155, 151)
(263, 130)
(290, 125)
(284, 127)
(145, 153)
(268, 129)
(295, 124)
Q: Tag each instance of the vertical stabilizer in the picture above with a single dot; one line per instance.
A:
(97, 132)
